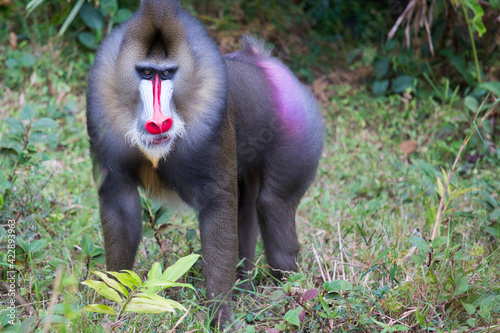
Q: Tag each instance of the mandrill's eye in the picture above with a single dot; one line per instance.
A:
(147, 73)
(165, 75)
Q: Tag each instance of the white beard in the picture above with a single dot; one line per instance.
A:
(144, 141)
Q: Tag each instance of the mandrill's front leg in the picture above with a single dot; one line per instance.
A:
(218, 217)
(121, 219)
(219, 239)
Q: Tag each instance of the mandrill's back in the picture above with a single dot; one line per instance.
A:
(274, 113)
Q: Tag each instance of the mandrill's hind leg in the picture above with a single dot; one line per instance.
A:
(286, 175)
(248, 228)
(277, 223)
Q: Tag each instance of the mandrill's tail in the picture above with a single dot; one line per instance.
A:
(252, 48)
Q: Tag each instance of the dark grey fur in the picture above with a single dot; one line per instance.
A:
(236, 165)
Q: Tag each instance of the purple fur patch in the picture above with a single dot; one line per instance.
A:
(287, 94)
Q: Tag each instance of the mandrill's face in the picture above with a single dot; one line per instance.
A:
(169, 82)
(158, 124)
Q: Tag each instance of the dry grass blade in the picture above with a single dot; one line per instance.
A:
(439, 214)
(416, 11)
(180, 321)
(400, 19)
(53, 300)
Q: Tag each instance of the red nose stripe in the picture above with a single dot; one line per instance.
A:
(159, 123)
(156, 96)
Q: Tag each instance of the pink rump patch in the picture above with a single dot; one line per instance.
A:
(287, 95)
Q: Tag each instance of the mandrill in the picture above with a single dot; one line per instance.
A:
(236, 138)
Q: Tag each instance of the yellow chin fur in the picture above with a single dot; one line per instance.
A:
(152, 158)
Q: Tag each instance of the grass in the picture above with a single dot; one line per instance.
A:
(367, 262)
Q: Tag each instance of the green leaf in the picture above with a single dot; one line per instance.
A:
(489, 199)
(438, 241)
(380, 87)
(456, 193)
(136, 277)
(162, 215)
(380, 67)
(390, 44)
(28, 60)
(102, 289)
(190, 235)
(166, 284)
(112, 283)
(126, 279)
(141, 307)
(155, 272)
(174, 272)
(297, 277)
(369, 54)
(11, 62)
(459, 63)
(43, 124)
(277, 295)
(13, 144)
(91, 17)
(490, 303)
(495, 232)
(440, 187)
(152, 303)
(15, 126)
(353, 54)
(461, 256)
(250, 329)
(96, 252)
(325, 307)
(469, 308)
(486, 315)
(99, 308)
(495, 214)
(462, 286)
(292, 316)
(495, 4)
(396, 328)
(5, 185)
(87, 244)
(147, 307)
(108, 7)
(37, 245)
(122, 15)
(337, 285)
(420, 243)
(88, 40)
(23, 244)
(27, 113)
(471, 103)
(494, 87)
(477, 20)
(39, 137)
(401, 83)
(54, 319)
(100, 258)
(479, 300)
